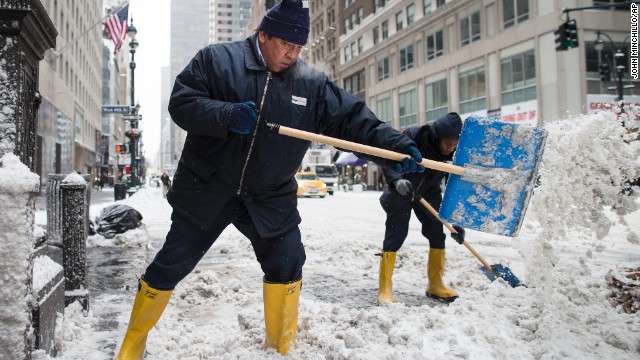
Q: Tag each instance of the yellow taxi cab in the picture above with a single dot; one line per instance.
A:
(309, 184)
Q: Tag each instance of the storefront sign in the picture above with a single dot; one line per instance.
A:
(524, 113)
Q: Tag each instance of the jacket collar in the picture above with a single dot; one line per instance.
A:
(251, 57)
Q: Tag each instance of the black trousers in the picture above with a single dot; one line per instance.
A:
(398, 209)
(281, 258)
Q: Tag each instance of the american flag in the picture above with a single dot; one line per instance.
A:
(117, 25)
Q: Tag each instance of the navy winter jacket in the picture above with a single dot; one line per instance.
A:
(426, 138)
(216, 165)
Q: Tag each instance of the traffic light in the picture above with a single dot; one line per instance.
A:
(122, 149)
(572, 33)
(566, 35)
(605, 72)
(561, 37)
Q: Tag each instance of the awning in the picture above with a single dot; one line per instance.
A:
(348, 158)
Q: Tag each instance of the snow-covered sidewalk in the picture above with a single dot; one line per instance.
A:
(216, 312)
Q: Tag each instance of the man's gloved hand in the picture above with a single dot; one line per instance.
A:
(410, 164)
(459, 237)
(242, 117)
(404, 187)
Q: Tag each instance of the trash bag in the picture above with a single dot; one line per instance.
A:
(92, 228)
(117, 219)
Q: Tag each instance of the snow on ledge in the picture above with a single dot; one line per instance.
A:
(15, 177)
(74, 178)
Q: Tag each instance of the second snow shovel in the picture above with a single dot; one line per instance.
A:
(492, 271)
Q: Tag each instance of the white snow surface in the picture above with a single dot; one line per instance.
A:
(577, 229)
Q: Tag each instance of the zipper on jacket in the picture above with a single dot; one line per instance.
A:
(255, 133)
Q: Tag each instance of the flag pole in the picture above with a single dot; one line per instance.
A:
(70, 42)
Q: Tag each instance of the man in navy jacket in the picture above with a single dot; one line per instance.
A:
(436, 142)
(230, 172)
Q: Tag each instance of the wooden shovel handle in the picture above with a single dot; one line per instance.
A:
(450, 227)
(365, 149)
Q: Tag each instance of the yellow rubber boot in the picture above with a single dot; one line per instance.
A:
(147, 309)
(385, 285)
(281, 315)
(435, 272)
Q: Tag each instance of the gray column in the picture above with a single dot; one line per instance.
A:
(74, 239)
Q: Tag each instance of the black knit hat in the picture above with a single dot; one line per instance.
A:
(288, 20)
(448, 125)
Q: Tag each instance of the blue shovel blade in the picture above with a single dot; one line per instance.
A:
(503, 272)
(497, 149)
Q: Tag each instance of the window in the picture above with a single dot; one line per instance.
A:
(410, 14)
(406, 58)
(399, 21)
(407, 107)
(472, 91)
(376, 5)
(625, 6)
(514, 12)
(376, 35)
(383, 69)
(426, 7)
(470, 29)
(595, 58)
(385, 29)
(518, 78)
(384, 112)
(355, 84)
(436, 99)
(346, 54)
(435, 45)
(360, 46)
(360, 15)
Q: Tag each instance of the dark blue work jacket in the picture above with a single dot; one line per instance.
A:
(429, 180)
(216, 165)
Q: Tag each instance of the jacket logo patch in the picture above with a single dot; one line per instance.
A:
(299, 100)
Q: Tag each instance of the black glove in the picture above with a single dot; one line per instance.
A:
(410, 164)
(459, 237)
(404, 187)
(242, 117)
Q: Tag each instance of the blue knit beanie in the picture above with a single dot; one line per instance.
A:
(449, 125)
(288, 20)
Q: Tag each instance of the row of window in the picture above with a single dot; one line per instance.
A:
(78, 67)
(470, 30)
(518, 84)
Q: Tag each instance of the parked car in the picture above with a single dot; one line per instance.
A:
(309, 184)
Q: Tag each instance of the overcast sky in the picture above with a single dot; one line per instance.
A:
(151, 19)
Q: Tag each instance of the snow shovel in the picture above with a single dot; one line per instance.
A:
(491, 271)
(491, 192)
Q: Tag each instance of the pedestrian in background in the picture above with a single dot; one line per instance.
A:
(437, 142)
(230, 172)
(166, 183)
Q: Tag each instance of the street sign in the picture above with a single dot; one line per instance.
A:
(116, 109)
(132, 117)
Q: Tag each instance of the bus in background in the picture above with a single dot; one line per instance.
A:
(318, 161)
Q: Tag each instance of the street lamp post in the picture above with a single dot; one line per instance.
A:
(133, 45)
(618, 65)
